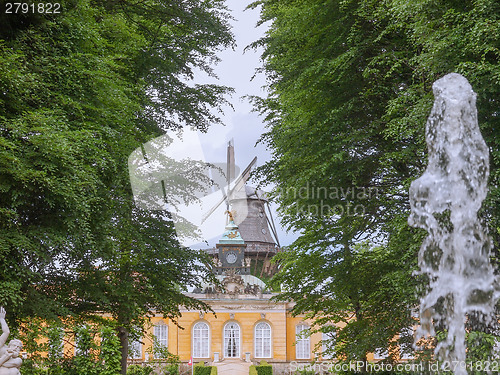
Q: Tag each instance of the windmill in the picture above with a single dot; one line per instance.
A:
(251, 212)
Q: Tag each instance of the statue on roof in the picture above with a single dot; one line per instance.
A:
(230, 214)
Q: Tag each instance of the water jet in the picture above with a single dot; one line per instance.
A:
(445, 200)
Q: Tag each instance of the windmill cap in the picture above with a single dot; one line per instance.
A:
(254, 193)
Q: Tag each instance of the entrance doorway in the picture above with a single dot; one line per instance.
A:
(232, 340)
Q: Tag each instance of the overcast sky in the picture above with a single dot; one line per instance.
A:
(241, 124)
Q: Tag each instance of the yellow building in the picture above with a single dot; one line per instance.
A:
(246, 326)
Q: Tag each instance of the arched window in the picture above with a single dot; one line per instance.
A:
(328, 344)
(134, 349)
(135, 343)
(263, 340)
(380, 353)
(161, 338)
(302, 342)
(231, 340)
(201, 340)
(405, 343)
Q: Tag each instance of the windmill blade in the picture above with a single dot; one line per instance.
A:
(216, 206)
(242, 179)
(271, 224)
(238, 184)
(230, 171)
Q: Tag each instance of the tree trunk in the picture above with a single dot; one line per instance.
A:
(123, 335)
(354, 297)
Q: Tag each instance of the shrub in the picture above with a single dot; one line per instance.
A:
(110, 352)
(264, 369)
(201, 369)
(306, 372)
(139, 370)
(172, 369)
(214, 370)
(253, 370)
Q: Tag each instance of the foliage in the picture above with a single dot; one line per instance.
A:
(86, 350)
(264, 368)
(139, 370)
(79, 91)
(350, 90)
(252, 370)
(305, 372)
(94, 349)
(201, 369)
(108, 354)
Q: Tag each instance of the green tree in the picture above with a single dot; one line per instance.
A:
(350, 90)
(79, 91)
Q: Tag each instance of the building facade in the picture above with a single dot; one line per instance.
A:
(246, 325)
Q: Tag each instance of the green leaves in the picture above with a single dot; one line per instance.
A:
(350, 90)
(79, 91)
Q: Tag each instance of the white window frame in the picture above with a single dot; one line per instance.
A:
(59, 350)
(403, 354)
(302, 342)
(160, 333)
(229, 329)
(135, 349)
(327, 337)
(381, 354)
(201, 340)
(78, 350)
(263, 340)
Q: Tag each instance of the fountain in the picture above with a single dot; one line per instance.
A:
(445, 201)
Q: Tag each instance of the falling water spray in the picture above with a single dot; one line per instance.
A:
(445, 201)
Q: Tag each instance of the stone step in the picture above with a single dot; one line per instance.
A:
(232, 367)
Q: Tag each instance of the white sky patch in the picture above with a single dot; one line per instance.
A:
(236, 69)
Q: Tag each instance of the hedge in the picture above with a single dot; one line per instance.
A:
(139, 370)
(264, 368)
(253, 370)
(201, 369)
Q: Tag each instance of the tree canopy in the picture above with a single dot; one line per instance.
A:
(349, 93)
(79, 91)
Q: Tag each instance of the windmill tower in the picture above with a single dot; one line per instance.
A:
(250, 220)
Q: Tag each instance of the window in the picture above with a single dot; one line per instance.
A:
(231, 340)
(201, 336)
(134, 343)
(328, 344)
(380, 353)
(302, 342)
(263, 340)
(405, 343)
(56, 342)
(83, 340)
(160, 338)
(134, 349)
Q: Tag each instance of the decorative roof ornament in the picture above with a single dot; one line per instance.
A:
(232, 234)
